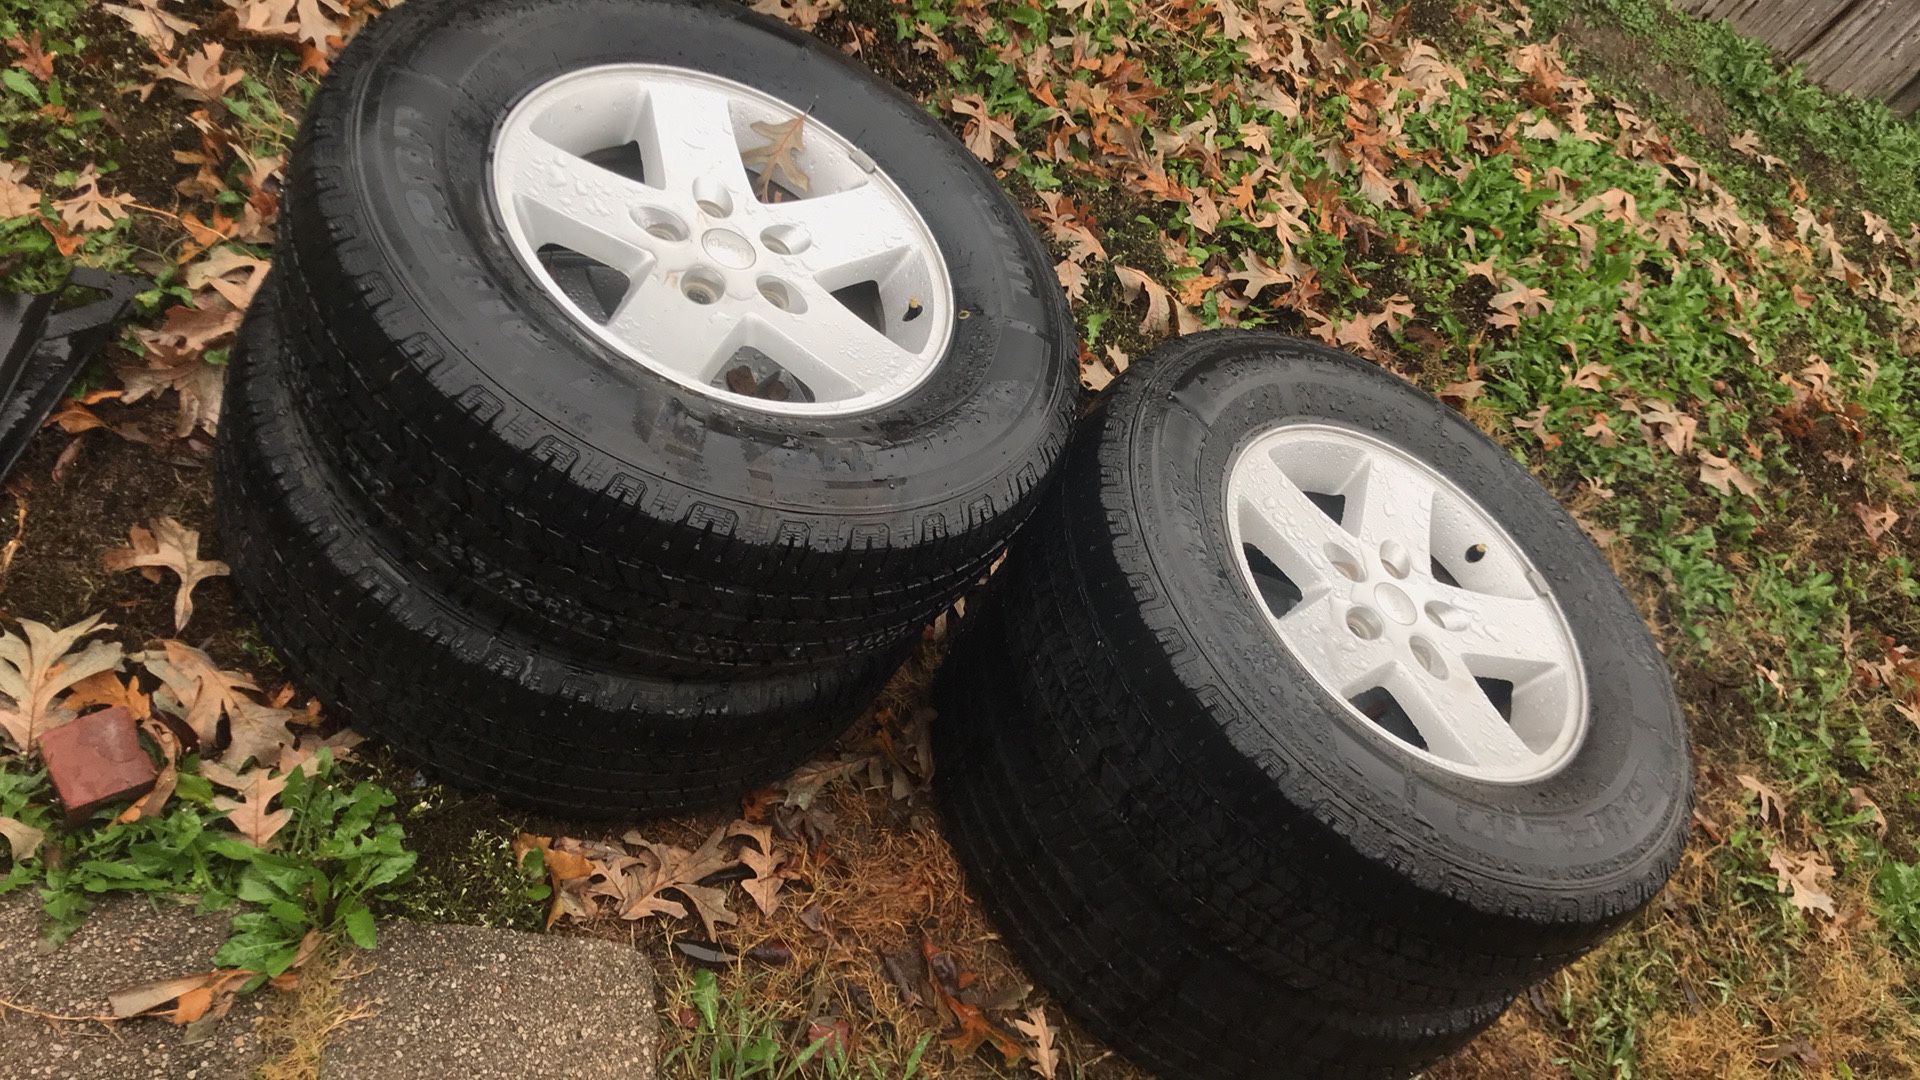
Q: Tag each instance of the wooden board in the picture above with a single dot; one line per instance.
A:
(1866, 47)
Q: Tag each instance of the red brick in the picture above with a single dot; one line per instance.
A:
(96, 760)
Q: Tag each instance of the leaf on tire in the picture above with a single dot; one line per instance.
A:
(167, 545)
(39, 667)
(777, 156)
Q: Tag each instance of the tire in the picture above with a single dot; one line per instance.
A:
(466, 697)
(488, 422)
(1150, 726)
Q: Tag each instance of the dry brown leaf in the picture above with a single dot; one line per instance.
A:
(1723, 475)
(34, 58)
(1073, 280)
(156, 26)
(1134, 285)
(91, 209)
(1675, 428)
(195, 689)
(1046, 1056)
(983, 127)
(806, 782)
(664, 868)
(1257, 275)
(777, 156)
(168, 545)
(200, 78)
(1878, 521)
(109, 690)
(1591, 376)
(257, 732)
(42, 665)
(201, 386)
(248, 813)
(1805, 877)
(192, 996)
(218, 272)
(1770, 801)
(17, 197)
(760, 857)
(22, 839)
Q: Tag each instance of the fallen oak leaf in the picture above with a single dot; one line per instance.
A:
(192, 996)
(255, 790)
(17, 197)
(983, 127)
(1803, 877)
(1133, 285)
(42, 665)
(194, 688)
(665, 868)
(1770, 800)
(1046, 1056)
(784, 141)
(158, 28)
(200, 77)
(34, 58)
(89, 209)
(22, 839)
(168, 545)
(1723, 475)
(972, 1026)
(200, 386)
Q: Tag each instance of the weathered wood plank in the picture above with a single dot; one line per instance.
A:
(1865, 47)
(1873, 52)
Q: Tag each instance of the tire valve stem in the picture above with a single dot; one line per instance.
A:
(913, 309)
(1476, 552)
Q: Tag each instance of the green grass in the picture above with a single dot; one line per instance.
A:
(738, 1034)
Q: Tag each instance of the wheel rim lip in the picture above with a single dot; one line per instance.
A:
(1575, 723)
(941, 306)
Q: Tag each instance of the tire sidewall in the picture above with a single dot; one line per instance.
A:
(1596, 826)
(420, 123)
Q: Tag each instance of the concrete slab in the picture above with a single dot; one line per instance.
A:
(125, 942)
(470, 1002)
(445, 1001)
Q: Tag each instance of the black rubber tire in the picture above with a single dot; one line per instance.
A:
(476, 702)
(1143, 686)
(444, 368)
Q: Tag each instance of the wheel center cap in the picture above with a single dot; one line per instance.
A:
(728, 248)
(1395, 603)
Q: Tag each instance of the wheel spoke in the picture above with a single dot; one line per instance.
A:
(1317, 632)
(1456, 718)
(1277, 518)
(1503, 636)
(566, 200)
(851, 236)
(688, 135)
(1394, 501)
(657, 321)
(835, 352)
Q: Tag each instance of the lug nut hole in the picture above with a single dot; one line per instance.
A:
(785, 239)
(1428, 657)
(777, 293)
(713, 198)
(1346, 562)
(702, 286)
(660, 223)
(1364, 623)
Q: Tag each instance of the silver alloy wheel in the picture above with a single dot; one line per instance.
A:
(1404, 599)
(626, 192)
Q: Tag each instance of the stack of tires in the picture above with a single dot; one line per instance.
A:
(1303, 729)
(634, 382)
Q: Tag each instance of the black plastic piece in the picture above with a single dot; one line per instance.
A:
(43, 350)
